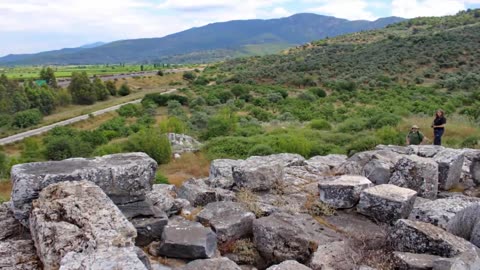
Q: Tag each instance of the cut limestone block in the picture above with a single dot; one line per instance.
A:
(450, 163)
(344, 191)
(386, 203)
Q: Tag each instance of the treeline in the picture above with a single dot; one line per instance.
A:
(24, 105)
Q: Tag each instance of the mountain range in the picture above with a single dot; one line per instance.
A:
(213, 42)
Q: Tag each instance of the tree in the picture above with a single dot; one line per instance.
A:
(189, 76)
(100, 89)
(81, 89)
(41, 98)
(48, 74)
(111, 87)
(124, 90)
(153, 143)
(27, 118)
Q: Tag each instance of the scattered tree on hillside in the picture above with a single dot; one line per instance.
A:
(48, 74)
(111, 87)
(100, 90)
(81, 89)
(124, 90)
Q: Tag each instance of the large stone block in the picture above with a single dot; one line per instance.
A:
(412, 261)
(210, 264)
(186, 240)
(420, 237)
(466, 223)
(475, 169)
(199, 194)
(329, 162)
(257, 176)
(344, 191)
(127, 258)
(386, 203)
(124, 178)
(229, 220)
(417, 173)
(221, 173)
(331, 256)
(10, 228)
(77, 217)
(289, 265)
(162, 198)
(18, 255)
(450, 163)
(149, 229)
(427, 151)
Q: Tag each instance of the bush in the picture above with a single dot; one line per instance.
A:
(151, 142)
(124, 90)
(116, 126)
(129, 110)
(111, 87)
(471, 142)
(319, 92)
(27, 118)
(162, 100)
(161, 179)
(108, 149)
(353, 125)
(260, 150)
(320, 124)
(4, 168)
(63, 147)
(173, 125)
(362, 144)
(388, 135)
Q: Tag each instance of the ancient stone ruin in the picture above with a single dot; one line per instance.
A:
(390, 208)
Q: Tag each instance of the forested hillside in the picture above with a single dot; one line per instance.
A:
(436, 51)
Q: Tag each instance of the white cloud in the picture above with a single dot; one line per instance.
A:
(347, 9)
(280, 12)
(417, 8)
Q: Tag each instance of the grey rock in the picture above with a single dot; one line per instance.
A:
(149, 229)
(229, 220)
(258, 176)
(10, 228)
(378, 171)
(123, 177)
(143, 208)
(465, 261)
(396, 149)
(221, 173)
(289, 265)
(344, 191)
(268, 203)
(363, 267)
(199, 194)
(162, 198)
(475, 170)
(420, 237)
(386, 203)
(411, 261)
(466, 223)
(109, 258)
(182, 143)
(333, 256)
(450, 163)
(417, 173)
(440, 212)
(356, 163)
(212, 264)
(427, 151)
(285, 160)
(282, 236)
(330, 161)
(77, 217)
(187, 240)
(18, 255)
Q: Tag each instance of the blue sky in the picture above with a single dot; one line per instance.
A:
(29, 26)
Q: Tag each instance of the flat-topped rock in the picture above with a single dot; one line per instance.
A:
(386, 203)
(258, 176)
(334, 255)
(124, 178)
(378, 171)
(210, 264)
(229, 220)
(111, 258)
(331, 161)
(420, 237)
(198, 193)
(412, 261)
(404, 150)
(281, 236)
(186, 240)
(284, 159)
(417, 173)
(466, 223)
(440, 212)
(162, 198)
(344, 191)
(77, 217)
(19, 255)
(450, 163)
(149, 229)
(221, 173)
(289, 265)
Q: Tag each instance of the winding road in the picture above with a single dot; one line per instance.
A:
(41, 130)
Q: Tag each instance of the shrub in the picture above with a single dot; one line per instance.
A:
(189, 76)
(362, 144)
(108, 149)
(111, 87)
(471, 142)
(160, 178)
(129, 110)
(151, 142)
(63, 147)
(353, 125)
(4, 168)
(116, 125)
(319, 92)
(307, 96)
(260, 150)
(388, 135)
(27, 118)
(173, 125)
(124, 90)
(320, 124)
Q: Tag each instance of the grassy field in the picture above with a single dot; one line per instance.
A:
(32, 72)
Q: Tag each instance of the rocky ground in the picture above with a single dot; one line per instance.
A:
(391, 208)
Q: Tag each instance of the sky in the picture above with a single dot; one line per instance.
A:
(29, 26)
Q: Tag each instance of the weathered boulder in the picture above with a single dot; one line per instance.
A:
(334, 255)
(229, 220)
(149, 229)
(199, 194)
(386, 203)
(182, 143)
(289, 265)
(412, 261)
(440, 212)
(378, 171)
(326, 163)
(417, 173)
(420, 237)
(221, 173)
(404, 150)
(465, 261)
(18, 255)
(186, 240)
(143, 208)
(266, 204)
(355, 164)
(466, 223)
(126, 258)
(475, 169)
(427, 151)
(344, 191)
(162, 198)
(258, 176)
(282, 236)
(10, 228)
(212, 264)
(285, 160)
(124, 178)
(450, 163)
(77, 217)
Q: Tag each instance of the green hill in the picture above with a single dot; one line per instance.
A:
(440, 51)
(213, 42)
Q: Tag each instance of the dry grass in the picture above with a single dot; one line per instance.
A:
(191, 215)
(317, 208)
(94, 122)
(152, 81)
(5, 190)
(249, 198)
(190, 165)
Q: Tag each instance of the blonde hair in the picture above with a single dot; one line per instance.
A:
(440, 111)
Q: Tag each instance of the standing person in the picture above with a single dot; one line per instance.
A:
(415, 137)
(439, 127)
